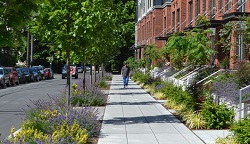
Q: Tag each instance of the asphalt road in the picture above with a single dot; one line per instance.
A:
(13, 100)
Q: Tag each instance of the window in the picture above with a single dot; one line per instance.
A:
(139, 53)
(229, 4)
(191, 12)
(165, 22)
(240, 47)
(143, 32)
(212, 8)
(149, 28)
(205, 6)
(165, 25)
(198, 7)
(178, 19)
(241, 6)
(153, 26)
(173, 20)
(221, 4)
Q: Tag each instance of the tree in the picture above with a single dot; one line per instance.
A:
(151, 53)
(176, 48)
(192, 47)
(126, 19)
(65, 23)
(14, 15)
(199, 47)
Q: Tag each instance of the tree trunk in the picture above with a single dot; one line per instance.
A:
(90, 73)
(84, 77)
(99, 73)
(68, 77)
(102, 70)
(94, 73)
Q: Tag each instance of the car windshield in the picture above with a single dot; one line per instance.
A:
(26, 70)
(38, 67)
(1, 71)
(9, 70)
(34, 69)
(18, 71)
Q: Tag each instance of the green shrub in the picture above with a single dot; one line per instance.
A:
(179, 96)
(103, 84)
(90, 96)
(63, 133)
(226, 140)
(160, 95)
(194, 120)
(87, 101)
(243, 74)
(241, 130)
(37, 119)
(217, 116)
(142, 78)
(107, 77)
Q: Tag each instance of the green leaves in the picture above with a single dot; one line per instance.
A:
(217, 116)
(241, 130)
(176, 47)
(199, 47)
(192, 47)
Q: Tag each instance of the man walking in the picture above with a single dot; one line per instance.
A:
(125, 71)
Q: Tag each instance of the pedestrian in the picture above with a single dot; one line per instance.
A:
(125, 72)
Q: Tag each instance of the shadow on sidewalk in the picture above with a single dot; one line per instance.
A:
(142, 120)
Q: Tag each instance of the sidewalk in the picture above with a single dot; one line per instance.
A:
(132, 116)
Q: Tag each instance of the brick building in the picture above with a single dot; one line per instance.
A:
(157, 20)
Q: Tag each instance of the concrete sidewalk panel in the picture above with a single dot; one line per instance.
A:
(112, 139)
(142, 128)
(167, 138)
(163, 128)
(141, 139)
(113, 129)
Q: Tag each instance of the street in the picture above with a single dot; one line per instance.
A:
(13, 100)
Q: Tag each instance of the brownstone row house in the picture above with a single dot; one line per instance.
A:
(157, 20)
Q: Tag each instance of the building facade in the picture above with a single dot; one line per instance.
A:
(157, 20)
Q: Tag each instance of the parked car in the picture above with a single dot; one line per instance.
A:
(4, 77)
(73, 71)
(14, 79)
(37, 74)
(29, 77)
(21, 76)
(80, 69)
(41, 69)
(87, 68)
(49, 74)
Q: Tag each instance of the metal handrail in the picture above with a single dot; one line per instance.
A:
(181, 71)
(221, 8)
(197, 69)
(210, 76)
(241, 5)
(231, 7)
